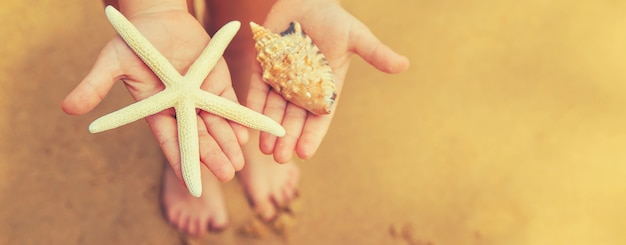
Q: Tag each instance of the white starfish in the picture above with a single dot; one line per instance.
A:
(184, 94)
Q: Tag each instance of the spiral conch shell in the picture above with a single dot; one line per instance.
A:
(295, 67)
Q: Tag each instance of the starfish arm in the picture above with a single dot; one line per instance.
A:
(235, 112)
(133, 112)
(189, 146)
(211, 54)
(142, 47)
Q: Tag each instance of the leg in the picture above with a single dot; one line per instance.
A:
(189, 214)
(241, 52)
(267, 184)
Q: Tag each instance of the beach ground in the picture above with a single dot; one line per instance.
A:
(508, 128)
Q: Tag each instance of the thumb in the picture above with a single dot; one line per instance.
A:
(95, 86)
(364, 43)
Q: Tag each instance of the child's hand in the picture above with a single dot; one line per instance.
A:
(180, 38)
(338, 35)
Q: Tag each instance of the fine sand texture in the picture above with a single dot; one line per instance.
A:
(508, 128)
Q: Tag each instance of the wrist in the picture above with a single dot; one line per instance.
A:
(136, 7)
(305, 5)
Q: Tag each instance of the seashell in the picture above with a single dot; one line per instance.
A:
(294, 67)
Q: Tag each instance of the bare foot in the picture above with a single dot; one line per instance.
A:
(269, 186)
(193, 215)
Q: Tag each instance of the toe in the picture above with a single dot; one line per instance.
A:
(276, 197)
(172, 216)
(288, 193)
(221, 220)
(218, 224)
(182, 223)
(266, 210)
(192, 227)
(285, 192)
(279, 198)
(203, 226)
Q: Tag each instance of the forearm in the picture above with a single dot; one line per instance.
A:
(134, 7)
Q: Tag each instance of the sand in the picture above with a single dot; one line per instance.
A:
(507, 129)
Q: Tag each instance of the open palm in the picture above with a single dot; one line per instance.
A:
(180, 38)
(338, 35)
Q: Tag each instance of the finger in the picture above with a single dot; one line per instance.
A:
(218, 82)
(315, 127)
(164, 129)
(95, 86)
(293, 122)
(261, 99)
(241, 132)
(365, 44)
(212, 155)
(258, 91)
(314, 131)
(221, 130)
(274, 109)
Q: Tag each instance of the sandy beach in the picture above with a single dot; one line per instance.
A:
(508, 128)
